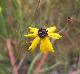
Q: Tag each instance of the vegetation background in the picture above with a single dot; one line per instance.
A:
(15, 18)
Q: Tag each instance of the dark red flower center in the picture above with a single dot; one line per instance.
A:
(42, 33)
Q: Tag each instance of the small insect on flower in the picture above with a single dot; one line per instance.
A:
(42, 36)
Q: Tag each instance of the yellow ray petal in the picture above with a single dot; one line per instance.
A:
(31, 35)
(54, 35)
(34, 43)
(35, 30)
(46, 45)
(51, 29)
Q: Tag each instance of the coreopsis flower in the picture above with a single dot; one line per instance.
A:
(42, 36)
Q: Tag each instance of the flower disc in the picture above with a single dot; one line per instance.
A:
(42, 33)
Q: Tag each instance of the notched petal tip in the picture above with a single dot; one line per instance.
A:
(60, 36)
(52, 50)
(25, 35)
(34, 43)
(30, 27)
(54, 35)
(29, 48)
(35, 30)
(31, 35)
(28, 35)
(51, 29)
(54, 27)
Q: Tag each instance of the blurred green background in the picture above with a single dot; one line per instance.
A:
(15, 18)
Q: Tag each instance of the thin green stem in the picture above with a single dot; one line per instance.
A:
(33, 63)
(51, 67)
(35, 11)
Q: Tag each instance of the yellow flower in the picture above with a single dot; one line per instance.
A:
(42, 36)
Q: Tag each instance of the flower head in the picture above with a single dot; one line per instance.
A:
(42, 36)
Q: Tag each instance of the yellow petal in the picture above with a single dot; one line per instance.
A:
(34, 43)
(54, 35)
(46, 45)
(35, 30)
(51, 29)
(31, 35)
